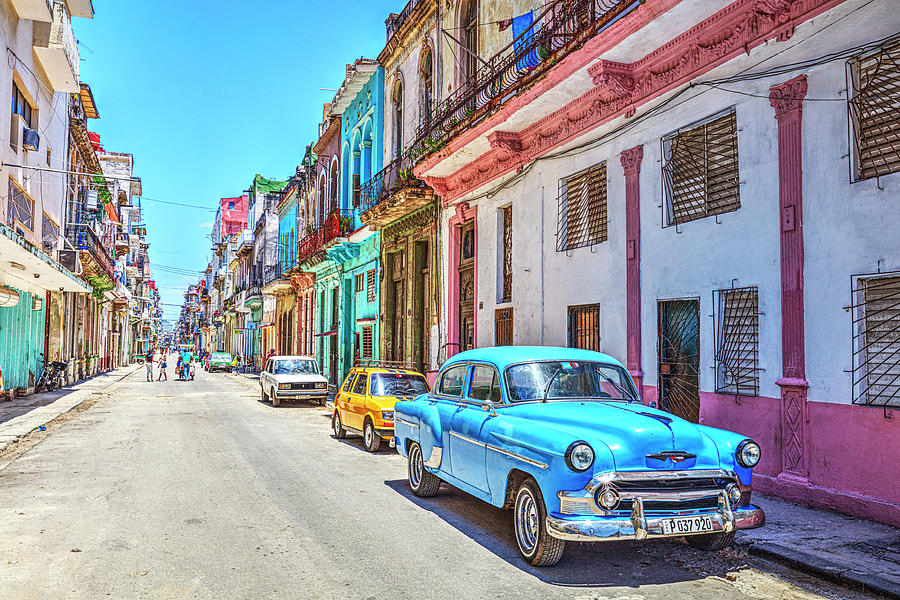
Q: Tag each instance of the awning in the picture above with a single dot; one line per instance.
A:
(24, 267)
(327, 333)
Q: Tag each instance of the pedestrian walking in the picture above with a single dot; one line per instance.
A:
(163, 376)
(148, 362)
(239, 363)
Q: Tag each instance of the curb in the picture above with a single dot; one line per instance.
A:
(51, 415)
(828, 570)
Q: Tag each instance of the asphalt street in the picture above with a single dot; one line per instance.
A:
(199, 490)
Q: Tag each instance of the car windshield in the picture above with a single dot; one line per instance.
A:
(555, 380)
(295, 367)
(220, 357)
(398, 384)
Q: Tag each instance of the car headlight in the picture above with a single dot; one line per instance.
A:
(748, 454)
(387, 415)
(284, 386)
(580, 456)
(321, 385)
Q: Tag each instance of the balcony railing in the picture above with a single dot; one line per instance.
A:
(273, 273)
(83, 237)
(394, 177)
(560, 29)
(338, 224)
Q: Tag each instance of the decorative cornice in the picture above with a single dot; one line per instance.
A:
(736, 29)
(616, 77)
(511, 141)
(302, 281)
(787, 98)
(423, 217)
(631, 160)
(462, 208)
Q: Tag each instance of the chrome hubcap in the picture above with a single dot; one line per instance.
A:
(369, 435)
(336, 423)
(526, 521)
(415, 466)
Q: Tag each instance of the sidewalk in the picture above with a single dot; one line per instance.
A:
(854, 552)
(21, 416)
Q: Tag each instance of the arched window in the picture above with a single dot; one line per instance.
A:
(335, 177)
(468, 24)
(426, 84)
(322, 201)
(397, 109)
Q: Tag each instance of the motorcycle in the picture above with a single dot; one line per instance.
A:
(51, 376)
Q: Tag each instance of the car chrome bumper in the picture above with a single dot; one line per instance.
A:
(638, 526)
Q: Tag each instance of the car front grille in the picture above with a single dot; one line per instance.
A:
(657, 495)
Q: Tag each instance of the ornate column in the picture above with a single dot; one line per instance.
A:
(631, 163)
(787, 100)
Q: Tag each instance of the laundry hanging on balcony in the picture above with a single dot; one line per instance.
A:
(523, 36)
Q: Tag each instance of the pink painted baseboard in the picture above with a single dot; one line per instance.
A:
(853, 450)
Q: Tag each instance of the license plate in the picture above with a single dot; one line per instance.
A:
(685, 525)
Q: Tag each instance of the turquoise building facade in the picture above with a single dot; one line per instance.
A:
(348, 270)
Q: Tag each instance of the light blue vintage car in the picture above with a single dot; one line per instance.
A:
(559, 435)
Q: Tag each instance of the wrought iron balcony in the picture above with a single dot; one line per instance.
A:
(393, 192)
(561, 28)
(85, 239)
(338, 224)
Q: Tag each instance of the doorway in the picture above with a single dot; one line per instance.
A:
(679, 358)
(467, 286)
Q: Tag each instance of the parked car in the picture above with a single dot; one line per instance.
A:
(560, 436)
(296, 377)
(220, 361)
(364, 404)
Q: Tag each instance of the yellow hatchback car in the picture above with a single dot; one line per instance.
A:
(364, 404)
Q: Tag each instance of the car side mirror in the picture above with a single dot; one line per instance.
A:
(488, 406)
(652, 404)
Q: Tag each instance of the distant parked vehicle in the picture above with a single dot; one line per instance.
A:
(364, 405)
(220, 361)
(292, 377)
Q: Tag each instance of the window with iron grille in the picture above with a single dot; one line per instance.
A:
(503, 327)
(700, 170)
(370, 285)
(360, 282)
(20, 207)
(875, 112)
(581, 216)
(737, 341)
(876, 339)
(49, 234)
(367, 342)
(506, 233)
(584, 327)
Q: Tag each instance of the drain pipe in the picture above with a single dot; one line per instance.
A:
(542, 265)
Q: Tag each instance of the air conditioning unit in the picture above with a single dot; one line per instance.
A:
(67, 259)
(91, 199)
(31, 139)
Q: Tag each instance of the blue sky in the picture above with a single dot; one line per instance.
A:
(207, 93)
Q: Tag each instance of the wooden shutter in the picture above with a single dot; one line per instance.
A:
(503, 327)
(700, 171)
(581, 205)
(875, 112)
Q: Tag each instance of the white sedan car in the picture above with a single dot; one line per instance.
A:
(293, 377)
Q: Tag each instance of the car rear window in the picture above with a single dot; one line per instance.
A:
(397, 384)
(219, 356)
